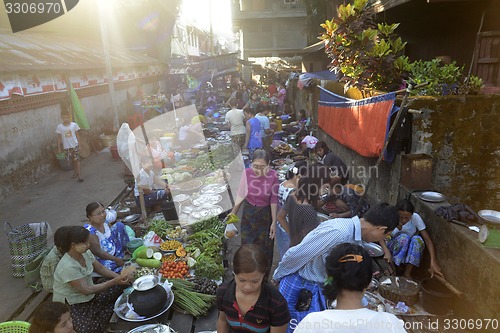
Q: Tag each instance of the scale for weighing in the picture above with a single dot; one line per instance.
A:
(489, 234)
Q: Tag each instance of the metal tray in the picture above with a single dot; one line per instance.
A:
(180, 197)
(430, 196)
(145, 282)
(207, 199)
(157, 328)
(132, 218)
(121, 300)
(205, 212)
(213, 189)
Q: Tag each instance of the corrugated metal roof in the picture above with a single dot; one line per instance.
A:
(22, 51)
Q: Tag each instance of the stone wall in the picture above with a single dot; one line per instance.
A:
(27, 138)
(461, 134)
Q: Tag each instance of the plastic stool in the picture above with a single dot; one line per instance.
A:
(135, 120)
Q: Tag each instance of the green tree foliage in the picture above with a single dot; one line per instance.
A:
(368, 55)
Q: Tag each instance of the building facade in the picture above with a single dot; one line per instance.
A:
(270, 28)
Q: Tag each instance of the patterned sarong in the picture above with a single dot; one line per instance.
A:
(255, 224)
(290, 287)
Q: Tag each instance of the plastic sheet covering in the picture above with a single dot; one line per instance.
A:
(183, 155)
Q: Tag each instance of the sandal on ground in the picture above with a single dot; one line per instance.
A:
(80, 180)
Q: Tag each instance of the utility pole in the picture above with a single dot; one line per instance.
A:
(107, 60)
(211, 28)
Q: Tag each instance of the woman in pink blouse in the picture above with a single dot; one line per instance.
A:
(258, 191)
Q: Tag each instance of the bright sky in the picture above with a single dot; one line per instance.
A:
(197, 11)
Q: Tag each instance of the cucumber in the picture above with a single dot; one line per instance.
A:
(153, 263)
(157, 255)
(140, 249)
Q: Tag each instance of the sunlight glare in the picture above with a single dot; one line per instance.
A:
(197, 12)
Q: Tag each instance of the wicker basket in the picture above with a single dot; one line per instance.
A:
(14, 327)
(400, 289)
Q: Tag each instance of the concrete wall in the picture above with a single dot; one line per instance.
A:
(461, 134)
(466, 263)
(27, 138)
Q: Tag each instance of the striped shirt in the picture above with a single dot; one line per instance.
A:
(271, 309)
(309, 257)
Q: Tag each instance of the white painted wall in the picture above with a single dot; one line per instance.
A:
(27, 138)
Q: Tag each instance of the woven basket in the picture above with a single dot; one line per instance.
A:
(407, 291)
(14, 327)
(26, 242)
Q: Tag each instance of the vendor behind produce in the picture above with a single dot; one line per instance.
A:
(91, 304)
(155, 189)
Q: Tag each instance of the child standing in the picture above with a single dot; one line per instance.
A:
(67, 134)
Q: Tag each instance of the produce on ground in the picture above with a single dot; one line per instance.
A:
(204, 285)
(176, 269)
(144, 271)
(153, 263)
(161, 227)
(170, 245)
(188, 301)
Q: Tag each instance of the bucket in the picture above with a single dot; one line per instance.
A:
(436, 297)
(169, 211)
(114, 152)
(64, 164)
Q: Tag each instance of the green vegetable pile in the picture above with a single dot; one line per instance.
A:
(208, 238)
(189, 301)
(161, 227)
(213, 224)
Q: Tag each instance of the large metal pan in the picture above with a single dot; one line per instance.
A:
(491, 217)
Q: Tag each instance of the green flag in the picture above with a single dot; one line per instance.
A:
(78, 113)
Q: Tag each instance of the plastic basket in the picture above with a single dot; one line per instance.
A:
(14, 327)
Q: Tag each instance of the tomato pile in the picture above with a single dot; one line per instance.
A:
(176, 270)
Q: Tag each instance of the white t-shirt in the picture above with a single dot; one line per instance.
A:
(68, 134)
(411, 227)
(352, 321)
(145, 180)
(235, 118)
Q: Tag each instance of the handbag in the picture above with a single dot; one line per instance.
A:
(26, 242)
(32, 276)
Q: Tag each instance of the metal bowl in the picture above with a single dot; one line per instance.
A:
(146, 282)
(490, 216)
(374, 250)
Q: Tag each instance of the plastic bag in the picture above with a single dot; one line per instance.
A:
(152, 239)
(230, 231)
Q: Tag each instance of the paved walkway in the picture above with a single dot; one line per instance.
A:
(59, 200)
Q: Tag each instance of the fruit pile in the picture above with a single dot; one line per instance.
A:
(170, 245)
(176, 270)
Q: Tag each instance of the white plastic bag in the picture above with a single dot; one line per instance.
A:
(151, 239)
(230, 231)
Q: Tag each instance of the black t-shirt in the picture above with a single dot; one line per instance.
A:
(301, 218)
(271, 309)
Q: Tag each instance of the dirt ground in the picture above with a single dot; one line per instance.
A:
(60, 200)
